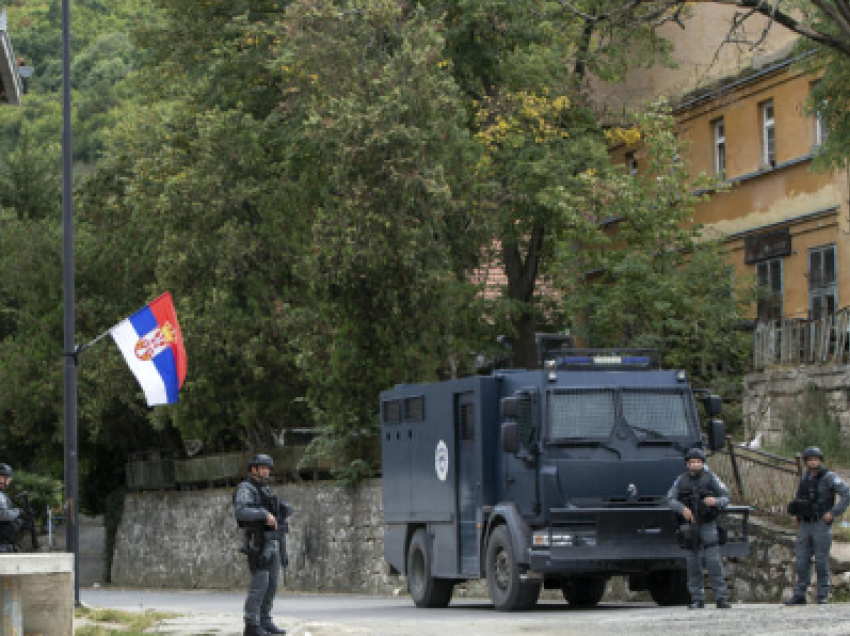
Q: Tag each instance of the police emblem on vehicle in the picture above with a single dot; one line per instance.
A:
(441, 460)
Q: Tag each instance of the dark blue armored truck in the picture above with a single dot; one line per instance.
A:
(554, 477)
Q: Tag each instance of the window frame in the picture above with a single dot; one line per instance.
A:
(718, 127)
(631, 163)
(768, 133)
(821, 131)
(819, 288)
(780, 295)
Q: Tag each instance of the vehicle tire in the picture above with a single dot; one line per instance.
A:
(425, 590)
(586, 591)
(507, 591)
(669, 587)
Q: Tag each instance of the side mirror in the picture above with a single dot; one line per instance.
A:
(510, 438)
(716, 434)
(712, 404)
(509, 408)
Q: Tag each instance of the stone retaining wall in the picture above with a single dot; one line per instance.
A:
(190, 540)
(768, 394)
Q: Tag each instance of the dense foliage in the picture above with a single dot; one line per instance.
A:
(318, 183)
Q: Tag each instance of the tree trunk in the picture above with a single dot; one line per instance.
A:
(522, 280)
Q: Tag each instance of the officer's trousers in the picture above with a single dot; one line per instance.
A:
(813, 539)
(710, 549)
(263, 586)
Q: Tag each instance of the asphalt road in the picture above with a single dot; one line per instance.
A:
(219, 613)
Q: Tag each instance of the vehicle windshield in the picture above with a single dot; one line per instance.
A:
(656, 414)
(581, 415)
(592, 414)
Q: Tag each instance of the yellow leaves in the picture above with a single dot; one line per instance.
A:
(626, 136)
(521, 118)
(443, 63)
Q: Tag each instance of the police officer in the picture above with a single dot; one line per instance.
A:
(815, 510)
(698, 496)
(256, 515)
(9, 524)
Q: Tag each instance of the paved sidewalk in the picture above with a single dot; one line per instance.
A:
(211, 624)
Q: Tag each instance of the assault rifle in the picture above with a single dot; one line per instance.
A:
(26, 519)
(688, 533)
(281, 511)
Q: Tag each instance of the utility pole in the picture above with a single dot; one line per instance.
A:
(69, 349)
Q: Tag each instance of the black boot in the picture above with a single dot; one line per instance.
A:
(722, 603)
(796, 600)
(254, 630)
(696, 605)
(271, 628)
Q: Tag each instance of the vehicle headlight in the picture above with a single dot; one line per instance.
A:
(557, 539)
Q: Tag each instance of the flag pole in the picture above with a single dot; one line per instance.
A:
(69, 371)
(92, 342)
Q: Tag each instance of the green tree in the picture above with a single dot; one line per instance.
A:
(657, 281)
(392, 237)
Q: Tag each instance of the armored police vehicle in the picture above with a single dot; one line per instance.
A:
(555, 478)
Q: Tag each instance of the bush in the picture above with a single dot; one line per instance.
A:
(43, 492)
(809, 422)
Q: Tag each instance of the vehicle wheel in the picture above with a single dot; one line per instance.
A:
(669, 587)
(507, 591)
(424, 588)
(584, 592)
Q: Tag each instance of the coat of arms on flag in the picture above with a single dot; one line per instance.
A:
(151, 343)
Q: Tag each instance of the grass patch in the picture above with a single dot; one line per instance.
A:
(130, 623)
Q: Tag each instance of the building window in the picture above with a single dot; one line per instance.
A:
(768, 135)
(631, 163)
(719, 148)
(769, 277)
(821, 132)
(823, 292)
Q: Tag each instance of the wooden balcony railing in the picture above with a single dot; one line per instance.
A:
(792, 341)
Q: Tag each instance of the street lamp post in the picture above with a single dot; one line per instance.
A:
(69, 370)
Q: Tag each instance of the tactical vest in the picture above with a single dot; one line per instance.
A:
(8, 529)
(814, 503)
(702, 486)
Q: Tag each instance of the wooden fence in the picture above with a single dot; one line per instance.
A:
(761, 480)
(821, 341)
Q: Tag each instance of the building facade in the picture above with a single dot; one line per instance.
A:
(783, 224)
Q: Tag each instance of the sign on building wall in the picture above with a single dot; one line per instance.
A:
(769, 245)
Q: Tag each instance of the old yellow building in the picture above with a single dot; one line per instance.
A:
(782, 223)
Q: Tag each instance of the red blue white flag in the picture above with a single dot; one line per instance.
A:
(152, 345)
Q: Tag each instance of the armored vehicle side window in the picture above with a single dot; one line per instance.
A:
(392, 412)
(467, 423)
(581, 414)
(414, 409)
(656, 413)
(527, 414)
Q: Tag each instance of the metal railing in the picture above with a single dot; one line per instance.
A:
(794, 341)
(759, 479)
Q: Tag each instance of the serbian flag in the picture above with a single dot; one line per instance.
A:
(152, 345)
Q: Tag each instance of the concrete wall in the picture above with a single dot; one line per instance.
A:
(190, 540)
(37, 594)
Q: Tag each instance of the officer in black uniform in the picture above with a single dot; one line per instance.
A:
(815, 509)
(698, 496)
(263, 518)
(9, 524)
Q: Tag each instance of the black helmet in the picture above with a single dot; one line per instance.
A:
(695, 453)
(261, 460)
(5, 470)
(812, 451)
